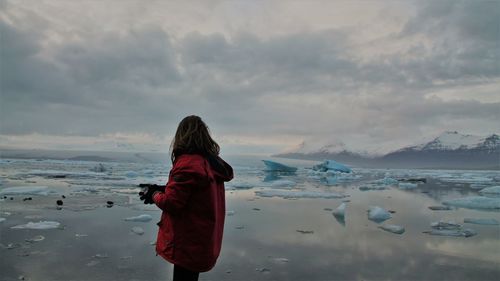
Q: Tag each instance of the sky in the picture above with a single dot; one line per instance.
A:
(265, 76)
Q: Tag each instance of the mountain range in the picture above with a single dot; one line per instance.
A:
(449, 150)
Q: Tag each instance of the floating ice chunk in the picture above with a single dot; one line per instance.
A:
(475, 202)
(440, 208)
(445, 225)
(140, 218)
(493, 190)
(393, 228)
(477, 186)
(378, 214)
(280, 260)
(386, 181)
(25, 190)
(99, 168)
(230, 213)
(240, 185)
(331, 165)
(298, 194)
(37, 238)
(340, 211)
(371, 187)
(2, 219)
(481, 221)
(275, 166)
(131, 174)
(452, 232)
(282, 183)
(407, 185)
(137, 230)
(38, 225)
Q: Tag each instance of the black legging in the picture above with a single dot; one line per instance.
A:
(182, 274)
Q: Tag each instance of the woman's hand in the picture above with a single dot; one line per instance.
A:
(148, 190)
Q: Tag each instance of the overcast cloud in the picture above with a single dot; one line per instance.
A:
(264, 75)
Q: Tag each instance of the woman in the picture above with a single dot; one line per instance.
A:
(193, 201)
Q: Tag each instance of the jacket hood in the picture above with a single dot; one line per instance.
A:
(221, 169)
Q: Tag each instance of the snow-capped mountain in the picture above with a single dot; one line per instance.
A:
(448, 150)
(451, 141)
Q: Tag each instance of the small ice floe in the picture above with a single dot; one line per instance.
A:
(396, 229)
(99, 168)
(93, 263)
(38, 225)
(140, 218)
(331, 165)
(240, 185)
(282, 184)
(240, 227)
(131, 174)
(378, 214)
(386, 181)
(286, 194)
(477, 186)
(339, 214)
(475, 202)
(230, 213)
(275, 166)
(407, 185)
(445, 225)
(493, 190)
(2, 219)
(137, 230)
(305, 231)
(280, 260)
(263, 270)
(78, 235)
(481, 221)
(100, 256)
(440, 208)
(25, 190)
(452, 232)
(37, 238)
(371, 187)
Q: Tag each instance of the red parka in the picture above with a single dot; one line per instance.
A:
(194, 208)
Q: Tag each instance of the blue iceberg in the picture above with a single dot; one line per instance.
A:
(330, 165)
(275, 166)
(378, 214)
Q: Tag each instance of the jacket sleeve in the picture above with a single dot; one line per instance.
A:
(185, 178)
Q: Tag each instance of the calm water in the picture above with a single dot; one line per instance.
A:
(261, 241)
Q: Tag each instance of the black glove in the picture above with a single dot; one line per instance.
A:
(148, 190)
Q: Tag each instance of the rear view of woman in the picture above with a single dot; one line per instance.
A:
(193, 202)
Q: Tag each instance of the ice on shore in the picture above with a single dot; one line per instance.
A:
(298, 194)
(396, 229)
(38, 225)
(140, 218)
(481, 221)
(378, 214)
(25, 190)
(452, 232)
(331, 165)
(275, 166)
(493, 190)
(475, 202)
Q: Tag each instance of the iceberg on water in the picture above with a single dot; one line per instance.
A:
(396, 229)
(378, 214)
(475, 202)
(493, 190)
(38, 225)
(371, 187)
(331, 165)
(445, 225)
(298, 194)
(140, 218)
(2, 219)
(340, 211)
(25, 190)
(282, 184)
(278, 167)
(481, 221)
